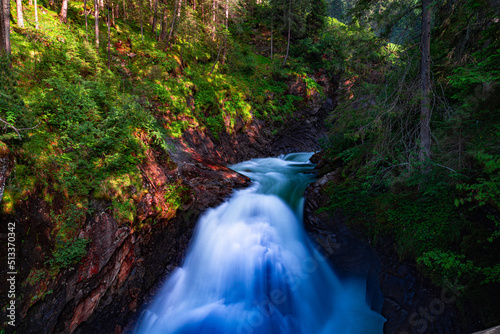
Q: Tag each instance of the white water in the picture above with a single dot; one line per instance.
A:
(252, 269)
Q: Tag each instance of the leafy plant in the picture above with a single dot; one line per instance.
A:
(13, 111)
(68, 253)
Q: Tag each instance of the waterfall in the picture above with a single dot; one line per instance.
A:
(252, 269)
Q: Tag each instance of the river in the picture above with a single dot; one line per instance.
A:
(251, 267)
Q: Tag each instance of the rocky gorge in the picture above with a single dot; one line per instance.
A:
(408, 300)
(125, 265)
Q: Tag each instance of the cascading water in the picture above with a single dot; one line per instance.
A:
(252, 269)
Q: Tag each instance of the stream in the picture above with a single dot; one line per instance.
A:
(251, 267)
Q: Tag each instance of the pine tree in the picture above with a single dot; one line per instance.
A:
(316, 18)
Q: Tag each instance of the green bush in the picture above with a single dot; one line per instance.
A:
(12, 107)
(68, 253)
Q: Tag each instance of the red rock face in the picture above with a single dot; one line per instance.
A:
(103, 232)
(123, 264)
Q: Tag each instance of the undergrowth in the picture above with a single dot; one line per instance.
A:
(85, 129)
(442, 214)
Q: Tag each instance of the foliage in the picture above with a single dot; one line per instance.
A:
(316, 18)
(85, 138)
(176, 195)
(68, 248)
(93, 125)
(305, 18)
(12, 107)
(451, 266)
(485, 189)
(68, 254)
(444, 217)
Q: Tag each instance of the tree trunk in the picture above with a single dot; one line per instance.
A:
(227, 14)
(5, 26)
(289, 28)
(19, 9)
(153, 29)
(96, 5)
(425, 68)
(214, 18)
(63, 15)
(36, 15)
(272, 31)
(164, 26)
(124, 11)
(173, 24)
(109, 38)
(86, 19)
(142, 27)
(2, 30)
(226, 23)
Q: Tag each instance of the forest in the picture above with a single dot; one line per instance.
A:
(92, 91)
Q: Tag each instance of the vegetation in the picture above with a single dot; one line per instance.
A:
(442, 211)
(416, 145)
(80, 111)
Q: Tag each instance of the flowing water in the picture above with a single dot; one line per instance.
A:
(252, 269)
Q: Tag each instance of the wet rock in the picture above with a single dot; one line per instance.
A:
(247, 141)
(409, 302)
(494, 330)
(349, 254)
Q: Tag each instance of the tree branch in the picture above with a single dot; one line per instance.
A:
(16, 129)
(12, 126)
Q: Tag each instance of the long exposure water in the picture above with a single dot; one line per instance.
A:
(252, 269)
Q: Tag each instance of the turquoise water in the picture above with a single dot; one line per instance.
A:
(252, 269)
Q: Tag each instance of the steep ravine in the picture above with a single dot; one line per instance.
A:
(124, 265)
